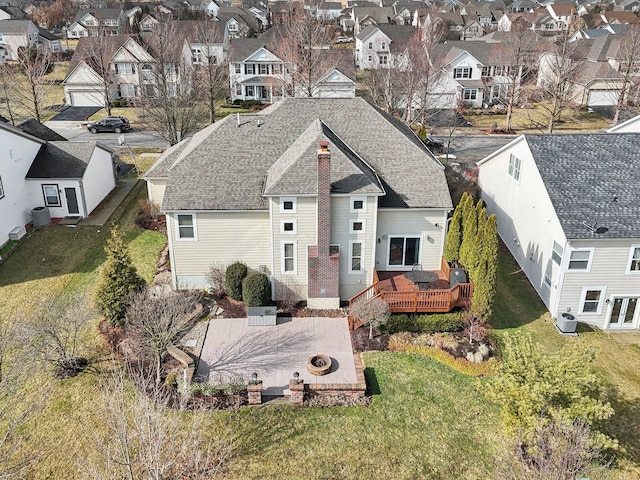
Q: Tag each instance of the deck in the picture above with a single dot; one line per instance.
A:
(404, 296)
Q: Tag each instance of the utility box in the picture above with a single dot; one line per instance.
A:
(17, 233)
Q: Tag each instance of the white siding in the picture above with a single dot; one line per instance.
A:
(18, 153)
(61, 211)
(412, 222)
(608, 269)
(155, 189)
(527, 222)
(99, 179)
(223, 238)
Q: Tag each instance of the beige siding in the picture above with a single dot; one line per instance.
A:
(527, 222)
(304, 219)
(222, 237)
(608, 270)
(411, 222)
(155, 190)
(341, 218)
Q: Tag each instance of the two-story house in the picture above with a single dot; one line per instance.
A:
(568, 210)
(319, 194)
(101, 21)
(382, 46)
(15, 34)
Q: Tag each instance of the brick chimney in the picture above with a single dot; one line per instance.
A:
(324, 268)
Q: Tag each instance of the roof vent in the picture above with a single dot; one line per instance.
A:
(601, 230)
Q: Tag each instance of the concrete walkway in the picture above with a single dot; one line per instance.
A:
(234, 349)
(103, 216)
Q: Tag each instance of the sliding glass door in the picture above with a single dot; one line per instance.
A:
(403, 252)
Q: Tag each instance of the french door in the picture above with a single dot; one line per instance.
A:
(624, 312)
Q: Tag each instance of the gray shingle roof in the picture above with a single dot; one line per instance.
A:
(591, 178)
(241, 48)
(37, 129)
(14, 26)
(62, 160)
(224, 166)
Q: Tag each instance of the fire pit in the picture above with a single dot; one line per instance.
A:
(319, 364)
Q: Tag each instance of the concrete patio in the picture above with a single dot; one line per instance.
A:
(232, 348)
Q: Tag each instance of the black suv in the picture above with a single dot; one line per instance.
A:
(110, 124)
(434, 144)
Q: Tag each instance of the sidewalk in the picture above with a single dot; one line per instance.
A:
(103, 217)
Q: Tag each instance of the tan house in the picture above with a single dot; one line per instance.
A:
(320, 194)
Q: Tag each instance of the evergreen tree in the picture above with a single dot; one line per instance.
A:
(118, 279)
(469, 231)
(476, 250)
(454, 236)
(486, 272)
(422, 133)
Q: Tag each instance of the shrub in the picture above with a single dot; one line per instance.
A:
(432, 323)
(215, 279)
(172, 380)
(374, 312)
(233, 279)
(256, 290)
(404, 342)
(148, 208)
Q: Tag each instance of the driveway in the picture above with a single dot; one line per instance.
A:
(75, 114)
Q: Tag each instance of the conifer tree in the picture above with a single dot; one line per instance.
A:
(485, 274)
(469, 231)
(118, 279)
(454, 236)
(476, 251)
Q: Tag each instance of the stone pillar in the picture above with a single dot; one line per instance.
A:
(254, 391)
(297, 392)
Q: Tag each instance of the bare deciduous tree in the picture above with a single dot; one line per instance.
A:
(561, 450)
(146, 440)
(7, 87)
(558, 71)
(97, 52)
(168, 91)
(374, 312)
(629, 63)
(215, 279)
(157, 320)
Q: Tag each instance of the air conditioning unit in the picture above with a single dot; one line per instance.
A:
(567, 323)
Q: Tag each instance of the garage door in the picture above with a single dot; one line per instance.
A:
(602, 98)
(86, 99)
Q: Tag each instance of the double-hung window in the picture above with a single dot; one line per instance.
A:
(289, 257)
(356, 257)
(580, 260)
(125, 68)
(470, 94)
(591, 300)
(51, 195)
(462, 72)
(515, 165)
(186, 226)
(556, 255)
(634, 258)
(356, 226)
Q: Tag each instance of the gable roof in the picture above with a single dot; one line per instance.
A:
(583, 187)
(224, 166)
(37, 129)
(63, 159)
(242, 48)
(15, 26)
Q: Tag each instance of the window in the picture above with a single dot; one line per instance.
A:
(263, 69)
(634, 255)
(127, 90)
(384, 46)
(580, 260)
(288, 226)
(404, 251)
(186, 226)
(51, 195)
(236, 67)
(485, 72)
(275, 69)
(125, 68)
(370, 58)
(547, 280)
(289, 257)
(591, 300)
(238, 89)
(356, 252)
(196, 56)
(356, 226)
(250, 91)
(470, 94)
(556, 255)
(462, 72)
(249, 69)
(1, 189)
(288, 205)
(515, 165)
(383, 60)
(370, 45)
(358, 204)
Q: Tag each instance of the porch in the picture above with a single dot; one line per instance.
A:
(404, 296)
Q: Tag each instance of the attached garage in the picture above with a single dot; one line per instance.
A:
(602, 98)
(86, 99)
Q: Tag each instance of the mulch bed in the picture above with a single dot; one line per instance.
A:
(156, 224)
(361, 342)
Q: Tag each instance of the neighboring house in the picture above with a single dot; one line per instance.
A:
(382, 46)
(572, 221)
(630, 126)
(101, 21)
(15, 34)
(238, 23)
(362, 17)
(70, 178)
(49, 41)
(318, 218)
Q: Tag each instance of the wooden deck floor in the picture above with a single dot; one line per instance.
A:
(396, 282)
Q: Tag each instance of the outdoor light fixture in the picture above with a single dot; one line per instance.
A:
(296, 377)
(254, 378)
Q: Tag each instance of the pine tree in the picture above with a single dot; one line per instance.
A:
(118, 279)
(469, 231)
(485, 274)
(476, 251)
(454, 236)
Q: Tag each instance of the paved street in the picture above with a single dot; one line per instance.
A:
(74, 131)
(470, 149)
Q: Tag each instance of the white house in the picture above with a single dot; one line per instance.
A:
(317, 193)
(382, 46)
(630, 126)
(15, 34)
(568, 210)
(69, 178)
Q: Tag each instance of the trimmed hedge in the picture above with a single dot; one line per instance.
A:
(233, 277)
(256, 290)
(431, 323)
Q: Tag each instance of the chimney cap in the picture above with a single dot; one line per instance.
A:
(324, 145)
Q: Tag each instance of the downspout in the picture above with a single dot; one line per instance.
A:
(174, 275)
(84, 200)
(563, 270)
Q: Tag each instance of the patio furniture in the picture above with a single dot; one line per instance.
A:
(421, 278)
(261, 316)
